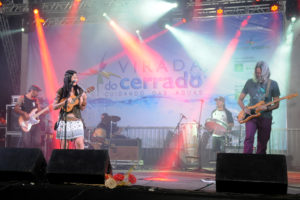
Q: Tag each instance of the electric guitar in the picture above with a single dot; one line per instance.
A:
(255, 112)
(74, 100)
(34, 116)
(33, 119)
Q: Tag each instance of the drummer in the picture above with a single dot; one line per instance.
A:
(108, 127)
(224, 116)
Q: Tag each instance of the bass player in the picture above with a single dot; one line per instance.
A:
(260, 88)
(25, 104)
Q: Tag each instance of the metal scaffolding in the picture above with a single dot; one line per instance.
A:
(54, 11)
(13, 62)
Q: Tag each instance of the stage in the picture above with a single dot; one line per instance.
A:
(150, 185)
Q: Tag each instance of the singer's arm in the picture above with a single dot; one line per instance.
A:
(57, 99)
(83, 101)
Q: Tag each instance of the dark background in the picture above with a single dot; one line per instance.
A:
(6, 86)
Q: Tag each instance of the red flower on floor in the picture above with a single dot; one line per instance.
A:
(107, 176)
(131, 178)
(119, 177)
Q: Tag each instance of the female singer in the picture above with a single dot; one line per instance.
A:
(70, 125)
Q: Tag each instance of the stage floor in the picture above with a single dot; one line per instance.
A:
(193, 180)
(151, 184)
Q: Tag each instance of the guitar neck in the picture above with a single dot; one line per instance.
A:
(269, 103)
(41, 112)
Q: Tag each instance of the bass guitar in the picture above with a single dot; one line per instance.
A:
(255, 112)
(74, 100)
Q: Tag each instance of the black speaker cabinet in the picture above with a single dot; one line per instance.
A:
(22, 165)
(251, 173)
(12, 123)
(81, 166)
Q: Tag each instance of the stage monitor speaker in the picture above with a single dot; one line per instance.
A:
(12, 123)
(251, 173)
(81, 166)
(22, 164)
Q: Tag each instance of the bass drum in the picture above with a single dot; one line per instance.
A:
(99, 132)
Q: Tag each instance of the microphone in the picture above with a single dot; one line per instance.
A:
(183, 116)
(74, 81)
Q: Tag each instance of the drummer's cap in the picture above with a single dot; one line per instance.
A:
(220, 99)
(35, 87)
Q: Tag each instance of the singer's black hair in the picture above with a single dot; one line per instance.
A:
(68, 84)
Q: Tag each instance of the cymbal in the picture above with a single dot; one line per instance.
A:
(115, 118)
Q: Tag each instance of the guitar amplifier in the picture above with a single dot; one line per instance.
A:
(14, 99)
(12, 124)
(125, 149)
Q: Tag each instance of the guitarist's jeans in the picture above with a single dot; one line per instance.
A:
(32, 139)
(263, 127)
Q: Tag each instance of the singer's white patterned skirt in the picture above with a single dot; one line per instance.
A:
(74, 130)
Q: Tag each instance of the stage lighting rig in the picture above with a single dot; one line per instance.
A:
(274, 6)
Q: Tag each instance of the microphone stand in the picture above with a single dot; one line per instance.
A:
(201, 107)
(110, 133)
(65, 119)
(65, 116)
(200, 136)
(176, 130)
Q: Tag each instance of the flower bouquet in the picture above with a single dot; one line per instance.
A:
(120, 179)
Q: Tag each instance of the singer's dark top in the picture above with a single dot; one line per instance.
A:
(76, 108)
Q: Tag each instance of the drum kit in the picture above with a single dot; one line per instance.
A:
(220, 128)
(97, 138)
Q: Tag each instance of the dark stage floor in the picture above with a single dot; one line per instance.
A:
(150, 185)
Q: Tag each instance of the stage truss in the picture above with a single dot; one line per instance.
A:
(54, 11)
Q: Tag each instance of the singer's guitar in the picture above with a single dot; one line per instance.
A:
(74, 100)
(255, 112)
(34, 116)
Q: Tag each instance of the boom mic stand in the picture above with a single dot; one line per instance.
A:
(176, 130)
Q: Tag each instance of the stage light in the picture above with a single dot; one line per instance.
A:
(167, 26)
(36, 11)
(293, 19)
(183, 20)
(112, 23)
(137, 31)
(274, 7)
(1, 4)
(220, 11)
(22, 29)
(175, 5)
(104, 15)
(82, 18)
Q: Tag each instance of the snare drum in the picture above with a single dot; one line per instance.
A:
(215, 125)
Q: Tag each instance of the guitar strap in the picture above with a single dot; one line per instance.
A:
(268, 88)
